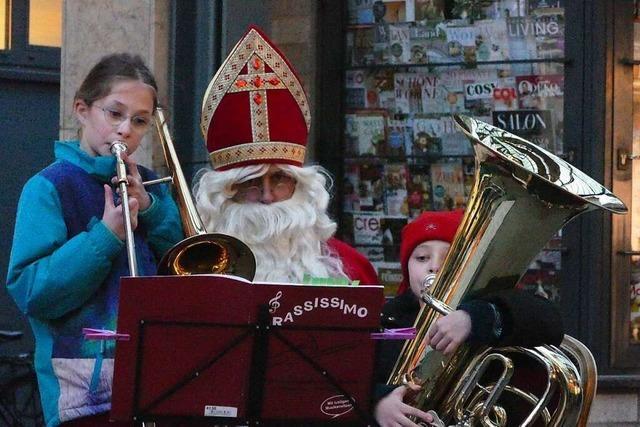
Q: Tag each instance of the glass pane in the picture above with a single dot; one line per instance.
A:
(45, 23)
(409, 65)
(5, 26)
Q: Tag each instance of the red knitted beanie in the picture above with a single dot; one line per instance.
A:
(428, 226)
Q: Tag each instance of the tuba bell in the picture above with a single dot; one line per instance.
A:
(521, 196)
(200, 252)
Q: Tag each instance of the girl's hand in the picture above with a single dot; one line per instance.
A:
(392, 411)
(135, 189)
(113, 217)
(448, 332)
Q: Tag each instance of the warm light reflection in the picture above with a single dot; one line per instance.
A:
(4, 25)
(45, 23)
(635, 209)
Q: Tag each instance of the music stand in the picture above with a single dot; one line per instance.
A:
(221, 349)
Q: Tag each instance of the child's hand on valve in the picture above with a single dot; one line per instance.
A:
(448, 332)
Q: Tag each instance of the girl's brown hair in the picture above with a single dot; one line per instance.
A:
(110, 69)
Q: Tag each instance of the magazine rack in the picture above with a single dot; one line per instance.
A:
(223, 350)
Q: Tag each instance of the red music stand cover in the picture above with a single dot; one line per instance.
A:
(221, 347)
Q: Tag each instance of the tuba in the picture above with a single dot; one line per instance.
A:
(200, 252)
(521, 196)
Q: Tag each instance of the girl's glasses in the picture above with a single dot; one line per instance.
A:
(115, 118)
(280, 185)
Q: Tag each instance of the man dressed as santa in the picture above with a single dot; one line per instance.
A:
(256, 120)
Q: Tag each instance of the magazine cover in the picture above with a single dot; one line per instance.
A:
(429, 44)
(350, 185)
(433, 97)
(419, 190)
(533, 125)
(426, 136)
(360, 12)
(355, 91)
(522, 41)
(369, 126)
(539, 92)
(363, 41)
(370, 187)
(463, 39)
(453, 82)
(549, 30)
(478, 96)
(390, 11)
(350, 135)
(454, 142)
(408, 92)
(429, 10)
(399, 44)
(399, 136)
(395, 189)
(505, 96)
(381, 44)
(390, 276)
(381, 82)
(447, 181)
(367, 228)
(492, 43)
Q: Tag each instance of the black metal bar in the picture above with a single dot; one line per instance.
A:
(195, 373)
(628, 253)
(627, 61)
(367, 418)
(258, 367)
(138, 370)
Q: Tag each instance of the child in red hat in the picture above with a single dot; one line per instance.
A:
(497, 319)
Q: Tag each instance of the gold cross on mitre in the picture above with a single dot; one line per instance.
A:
(256, 53)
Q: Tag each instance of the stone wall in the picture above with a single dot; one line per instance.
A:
(94, 28)
(293, 29)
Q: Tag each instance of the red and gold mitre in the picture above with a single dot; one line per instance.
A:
(255, 110)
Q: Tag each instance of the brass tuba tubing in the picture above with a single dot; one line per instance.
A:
(117, 148)
(521, 196)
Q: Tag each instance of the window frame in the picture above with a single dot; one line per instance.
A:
(23, 61)
(624, 354)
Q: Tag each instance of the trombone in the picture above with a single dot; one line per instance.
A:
(200, 252)
(117, 148)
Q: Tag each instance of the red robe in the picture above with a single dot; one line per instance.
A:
(356, 265)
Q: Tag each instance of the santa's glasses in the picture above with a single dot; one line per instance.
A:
(280, 186)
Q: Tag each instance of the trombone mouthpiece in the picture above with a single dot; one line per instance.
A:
(118, 147)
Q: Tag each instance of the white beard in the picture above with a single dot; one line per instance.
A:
(288, 238)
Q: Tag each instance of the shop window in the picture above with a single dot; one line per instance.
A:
(31, 38)
(410, 64)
